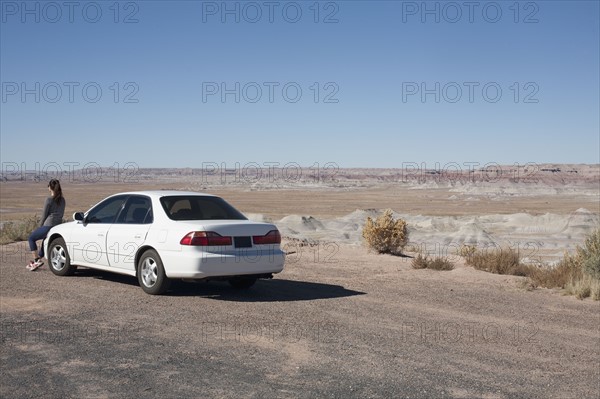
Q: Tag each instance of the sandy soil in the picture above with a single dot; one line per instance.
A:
(338, 322)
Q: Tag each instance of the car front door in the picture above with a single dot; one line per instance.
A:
(129, 232)
(89, 239)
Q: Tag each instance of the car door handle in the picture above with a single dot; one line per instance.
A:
(100, 235)
(138, 236)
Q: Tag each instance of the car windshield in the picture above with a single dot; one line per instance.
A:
(197, 207)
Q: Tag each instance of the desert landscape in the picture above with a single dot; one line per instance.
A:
(541, 210)
(340, 320)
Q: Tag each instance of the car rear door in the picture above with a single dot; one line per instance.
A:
(129, 232)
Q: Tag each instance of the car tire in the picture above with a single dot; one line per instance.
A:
(242, 283)
(151, 273)
(59, 260)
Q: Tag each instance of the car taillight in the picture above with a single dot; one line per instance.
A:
(204, 238)
(272, 237)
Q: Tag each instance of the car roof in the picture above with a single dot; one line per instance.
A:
(163, 193)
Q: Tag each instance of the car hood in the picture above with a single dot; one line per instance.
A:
(63, 226)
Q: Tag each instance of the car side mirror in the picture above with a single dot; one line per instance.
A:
(78, 216)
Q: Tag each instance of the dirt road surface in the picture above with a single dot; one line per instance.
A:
(339, 322)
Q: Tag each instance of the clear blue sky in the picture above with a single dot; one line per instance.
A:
(370, 62)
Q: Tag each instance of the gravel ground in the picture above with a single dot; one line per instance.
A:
(338, 322)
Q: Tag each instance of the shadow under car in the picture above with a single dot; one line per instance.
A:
(265, 290)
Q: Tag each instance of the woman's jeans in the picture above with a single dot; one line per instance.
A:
(38, 234)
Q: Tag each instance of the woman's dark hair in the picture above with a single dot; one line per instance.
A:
(55, 187)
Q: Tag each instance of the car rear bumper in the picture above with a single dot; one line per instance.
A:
(195, 264)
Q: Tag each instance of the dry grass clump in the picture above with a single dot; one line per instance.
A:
(19, 230)
(420, 262)
(589, 254)
(440, 263)
(583, 288)
(551, 277)
(578, 274)
(386, 235)
(437, 263)
(466, 250)
(498, 261)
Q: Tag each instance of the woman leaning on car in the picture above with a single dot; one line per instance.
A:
(52, 214)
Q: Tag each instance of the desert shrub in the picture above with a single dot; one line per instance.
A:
(440, 263)
(578, 274)
(386, 235)
(466, 250)
(591, 265)
(590, 254)
(420, 262)
(583, 286)
(596, 291)
(437, 263)
(566, 272)
(18, 230)
(499, 261)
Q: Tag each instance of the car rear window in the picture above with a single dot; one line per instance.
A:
(188, 207)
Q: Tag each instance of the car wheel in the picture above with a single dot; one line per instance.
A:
(59, 259)
(242, 282)
(151, 273)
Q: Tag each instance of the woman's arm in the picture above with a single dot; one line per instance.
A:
(45, 211)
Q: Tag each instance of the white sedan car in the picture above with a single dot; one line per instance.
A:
(162, 235)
